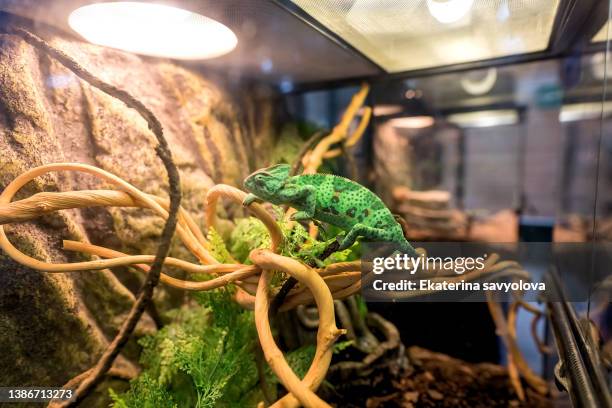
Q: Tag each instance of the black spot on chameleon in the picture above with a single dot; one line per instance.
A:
(365, 212)
(335, 199)
(333, 210)
(341, 185)
(351, 212)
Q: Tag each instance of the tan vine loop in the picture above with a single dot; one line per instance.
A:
(508, 336)
(238, 196)
(13, 187)
(47, 202)
(327, 333)
(231, 272)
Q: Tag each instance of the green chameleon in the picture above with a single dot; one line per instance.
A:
(332, 199)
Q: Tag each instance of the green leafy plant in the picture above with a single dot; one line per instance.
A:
(217, 247)
(145, 392)
(203, 359)
(206, 357)
(250, 234)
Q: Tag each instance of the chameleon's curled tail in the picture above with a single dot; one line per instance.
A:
(405, 246)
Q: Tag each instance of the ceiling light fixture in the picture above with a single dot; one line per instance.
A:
(585, 111)
(153, 29)
(485, 118)
(479, 86)
(601, 65)
(449, 11)
(412, 122)
(413, 94)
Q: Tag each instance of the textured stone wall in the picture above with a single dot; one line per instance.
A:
(53, 326)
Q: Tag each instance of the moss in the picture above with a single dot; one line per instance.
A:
(19, 95)
(53, 298)
(26, 243)
(30, 303)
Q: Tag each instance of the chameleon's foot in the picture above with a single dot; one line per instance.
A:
(250, 199)
(343, 242)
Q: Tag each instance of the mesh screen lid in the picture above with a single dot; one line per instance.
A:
(404, 35)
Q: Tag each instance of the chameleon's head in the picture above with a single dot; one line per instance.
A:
(266, 183)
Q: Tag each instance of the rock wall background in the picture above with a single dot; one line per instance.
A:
(53, 326)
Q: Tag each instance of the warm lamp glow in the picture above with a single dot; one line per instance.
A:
(384, 110)
(412, 122)
(153, 29)
(449, 11)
